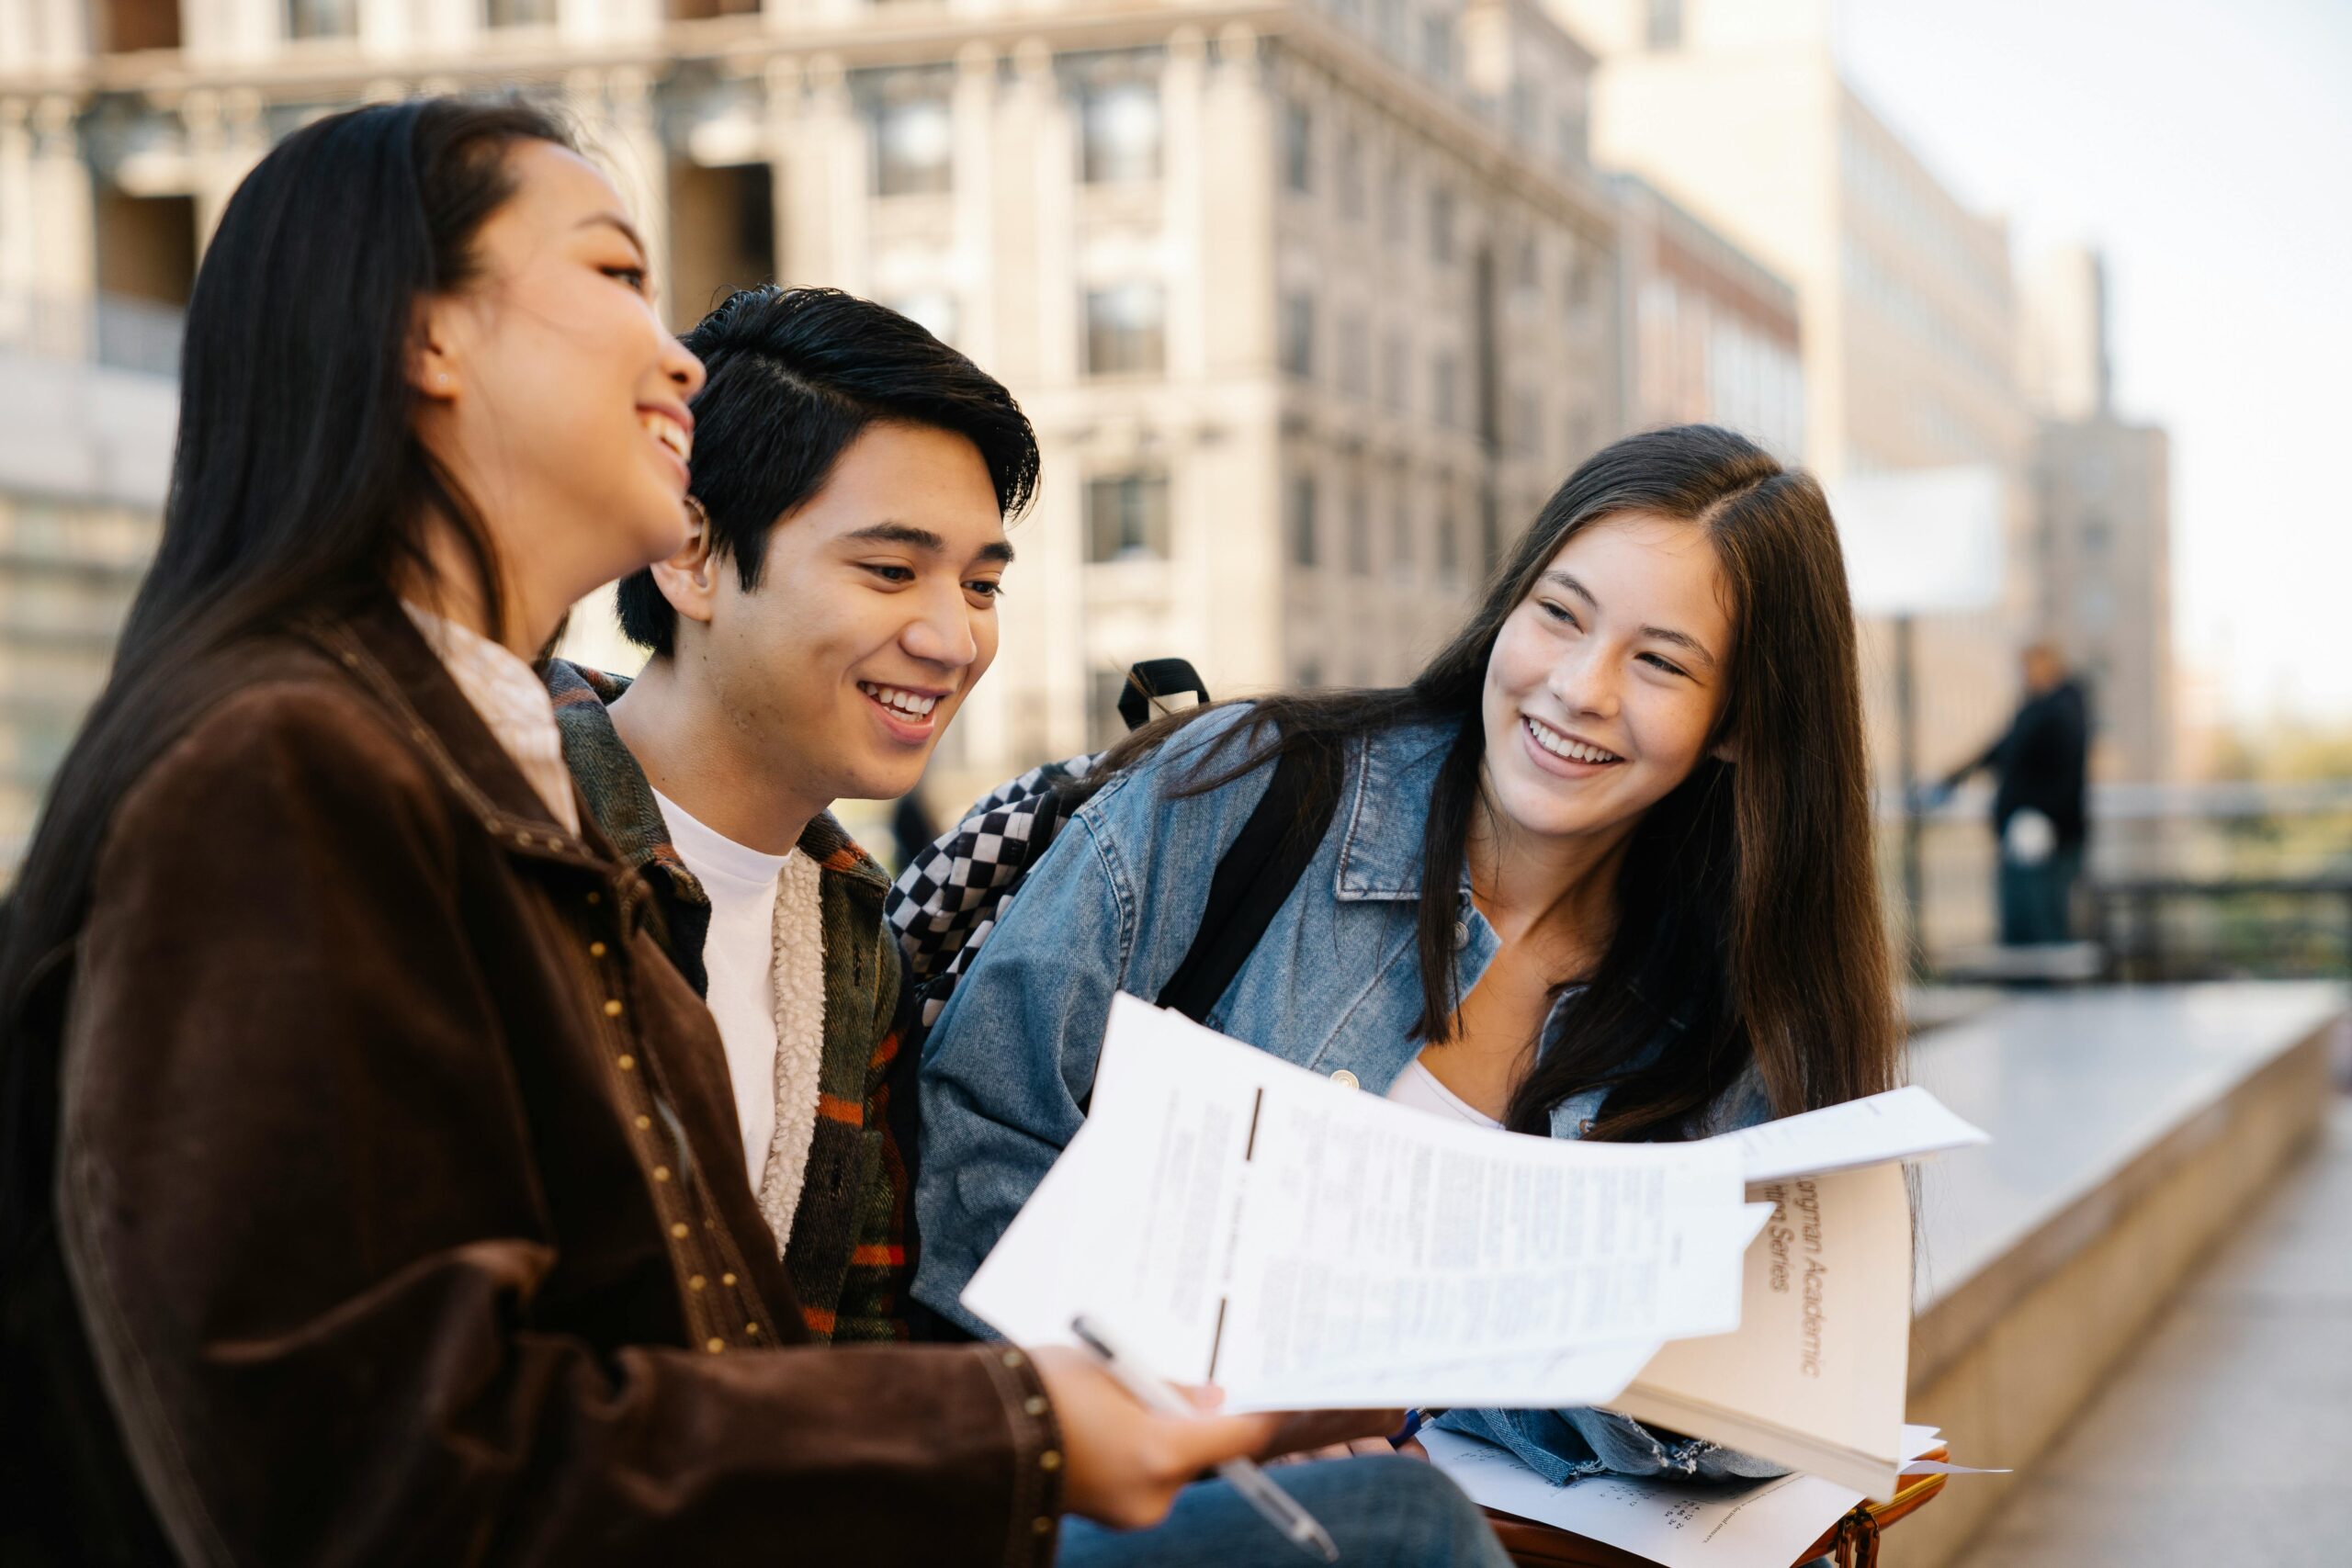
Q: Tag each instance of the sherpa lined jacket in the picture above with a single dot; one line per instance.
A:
(847, 1255)
(399, 1198)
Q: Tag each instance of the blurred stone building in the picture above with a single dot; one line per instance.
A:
(2102, 539)
(1737, 110)
(1313, 303)
(1710, 335)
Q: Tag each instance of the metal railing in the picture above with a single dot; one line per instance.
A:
(2183, 881)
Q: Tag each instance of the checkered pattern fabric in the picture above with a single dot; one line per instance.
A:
(950, 896)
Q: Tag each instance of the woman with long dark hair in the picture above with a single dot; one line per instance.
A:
(372, 1183)
(1603, 870)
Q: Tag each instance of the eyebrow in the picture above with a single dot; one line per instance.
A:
(614, 221)
(996, 551)
(1659, 634)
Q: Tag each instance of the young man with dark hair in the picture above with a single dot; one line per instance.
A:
(834, 606)
(831, 608)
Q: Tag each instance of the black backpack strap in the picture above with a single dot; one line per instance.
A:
(1252, 882)
(1147, 682)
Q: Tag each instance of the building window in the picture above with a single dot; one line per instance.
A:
(1120, 133)
(1358, 535)
(1445, 372)
(1298, 334)
(1449, 552)
(914, 145)
(125, 27)
(1126, 329)
(1396, 393)
(1126, 517)
(1437, 45)
(1398, 220)
(1301, 507)
(1401, 553)
(1354, 339)
(1665, 30)
(1579, 279)
(518, 13)
(1350, 177)
(327, 18)
(1298, 148)
(1441, 225)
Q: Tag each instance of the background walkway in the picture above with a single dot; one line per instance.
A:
(2226, 1438)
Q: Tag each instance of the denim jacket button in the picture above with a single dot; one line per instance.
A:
(1345, 1080)
(1461, 933)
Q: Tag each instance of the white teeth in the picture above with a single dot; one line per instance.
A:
(1560, 745)
(914, 705)
(668, 431)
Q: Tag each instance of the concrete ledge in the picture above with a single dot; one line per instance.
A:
(2005, 1356)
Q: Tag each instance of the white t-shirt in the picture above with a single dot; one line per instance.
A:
(1419, 1088)
(740, 958)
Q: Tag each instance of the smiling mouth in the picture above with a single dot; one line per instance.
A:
(668, 433)
(1564, 748)
(913, 707)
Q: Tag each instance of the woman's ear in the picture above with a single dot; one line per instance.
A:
(1724, 750)
(689, 579)
(432, 365)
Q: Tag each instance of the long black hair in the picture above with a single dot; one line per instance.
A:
(298, 484)
(1748, 928)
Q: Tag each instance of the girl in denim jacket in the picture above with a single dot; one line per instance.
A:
(1603, 870)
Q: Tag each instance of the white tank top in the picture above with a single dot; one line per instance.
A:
(1417, 1087)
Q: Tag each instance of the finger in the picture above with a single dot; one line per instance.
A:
(1205, 1396)
(1214, 1439)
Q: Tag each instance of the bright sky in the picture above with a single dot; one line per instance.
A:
(2206, 145)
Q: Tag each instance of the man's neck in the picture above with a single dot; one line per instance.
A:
(680, 736)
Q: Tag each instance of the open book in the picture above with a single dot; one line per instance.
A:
(1816, 1374)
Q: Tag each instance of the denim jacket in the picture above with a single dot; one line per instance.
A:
(1334, 985)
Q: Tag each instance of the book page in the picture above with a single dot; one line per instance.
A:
(1824, 1342)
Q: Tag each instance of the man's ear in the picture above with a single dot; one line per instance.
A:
(689, 579)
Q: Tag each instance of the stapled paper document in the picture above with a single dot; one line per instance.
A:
(1243, 1222)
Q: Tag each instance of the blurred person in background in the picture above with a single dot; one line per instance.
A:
(2039, 820)
(372, 1182)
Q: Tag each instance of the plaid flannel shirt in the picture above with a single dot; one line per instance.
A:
(847, 1256)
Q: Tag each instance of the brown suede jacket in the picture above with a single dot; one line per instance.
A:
(401, 1198)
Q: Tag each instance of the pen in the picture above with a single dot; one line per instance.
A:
(1277, 1506)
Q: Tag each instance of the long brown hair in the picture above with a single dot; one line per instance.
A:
(1748, 928)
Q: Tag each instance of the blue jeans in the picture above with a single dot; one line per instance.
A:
(1382, 1513)
(2037, 901)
